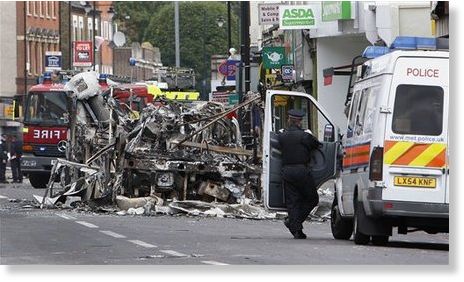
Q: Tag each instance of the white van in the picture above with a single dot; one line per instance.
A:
(323, 163)
(394, 171)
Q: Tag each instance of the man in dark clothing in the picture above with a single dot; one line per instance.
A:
(300, 191)
(16, 152)
(3, 158)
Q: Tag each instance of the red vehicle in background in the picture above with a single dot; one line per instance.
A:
(45, 130)
(46, 123)
(133, 95)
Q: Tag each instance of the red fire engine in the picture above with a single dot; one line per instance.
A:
(45, 130)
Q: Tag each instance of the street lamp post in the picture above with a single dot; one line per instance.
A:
(89, 8)
(229, 27)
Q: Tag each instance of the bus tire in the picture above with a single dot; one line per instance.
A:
(39, 180)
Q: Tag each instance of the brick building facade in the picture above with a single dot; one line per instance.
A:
(38, 31)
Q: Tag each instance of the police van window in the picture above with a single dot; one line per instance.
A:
(359, 121)
(283, 103)
(418, 110)
(353, 111)
(370, 109)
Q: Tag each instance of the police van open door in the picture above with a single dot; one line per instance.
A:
(415, 164)
(323, 161)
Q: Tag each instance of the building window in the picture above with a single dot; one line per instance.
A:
(41, 9)
(40, 58)
(110, 32)
(74, 28)
(105, 30)
(47, 10)
(35, 8)
(89, 28)
(80, 32)
(28, 8)
(96, 27)
(53, 10)
(28, 56)
(36, 59)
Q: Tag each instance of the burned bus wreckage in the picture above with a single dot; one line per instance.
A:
(168, 150)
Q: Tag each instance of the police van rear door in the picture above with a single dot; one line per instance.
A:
(416, 139)
(323, 162)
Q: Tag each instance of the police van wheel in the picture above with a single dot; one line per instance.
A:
(341, 228)
(380, 240)
(358, 237)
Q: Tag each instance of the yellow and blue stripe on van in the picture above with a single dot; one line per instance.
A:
(414, 154)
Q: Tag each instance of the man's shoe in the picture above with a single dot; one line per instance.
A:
(287, 223)
(299, 234)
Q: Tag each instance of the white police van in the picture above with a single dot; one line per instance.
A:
(394, 170)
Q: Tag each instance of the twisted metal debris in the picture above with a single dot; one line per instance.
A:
(169, 150)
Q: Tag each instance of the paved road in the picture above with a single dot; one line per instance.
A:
(32, 236)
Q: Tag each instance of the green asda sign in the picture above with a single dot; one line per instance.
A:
(298, 17)
(273, 57)
(336, 10)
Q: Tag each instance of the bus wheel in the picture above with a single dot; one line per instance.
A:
(39, 180)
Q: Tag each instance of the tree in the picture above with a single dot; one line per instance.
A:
(134, 17)
(200, 36)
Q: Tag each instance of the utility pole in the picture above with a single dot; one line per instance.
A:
(245, 42)
(93, 35)
(229, 28)
(176, 27)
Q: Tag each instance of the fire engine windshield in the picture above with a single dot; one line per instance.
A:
(46, 108)
(418, 110)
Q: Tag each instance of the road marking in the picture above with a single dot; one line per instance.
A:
(212, 262)
(143, 244)
(89, 225)
(68, 217)
(112, 234)
(173, 253)
(3, 197)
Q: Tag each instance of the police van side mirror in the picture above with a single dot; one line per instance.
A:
(329, 135)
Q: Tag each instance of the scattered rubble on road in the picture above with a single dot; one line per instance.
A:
(169, 158)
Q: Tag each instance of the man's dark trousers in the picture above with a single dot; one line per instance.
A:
(2, 170)
(300, 194)
(16, 170)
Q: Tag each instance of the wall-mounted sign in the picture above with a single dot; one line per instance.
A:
(222, 68)
(299, 17)
(274, 57)
(83, 55)
(287, 72)
(232, 69)
(268, 14)
(336, 10)
(52, 60)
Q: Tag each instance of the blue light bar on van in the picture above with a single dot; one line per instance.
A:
(407, 43)
(414, 43)
(375, 51)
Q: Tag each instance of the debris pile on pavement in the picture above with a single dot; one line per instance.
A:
(169, 150)
(169, 158)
